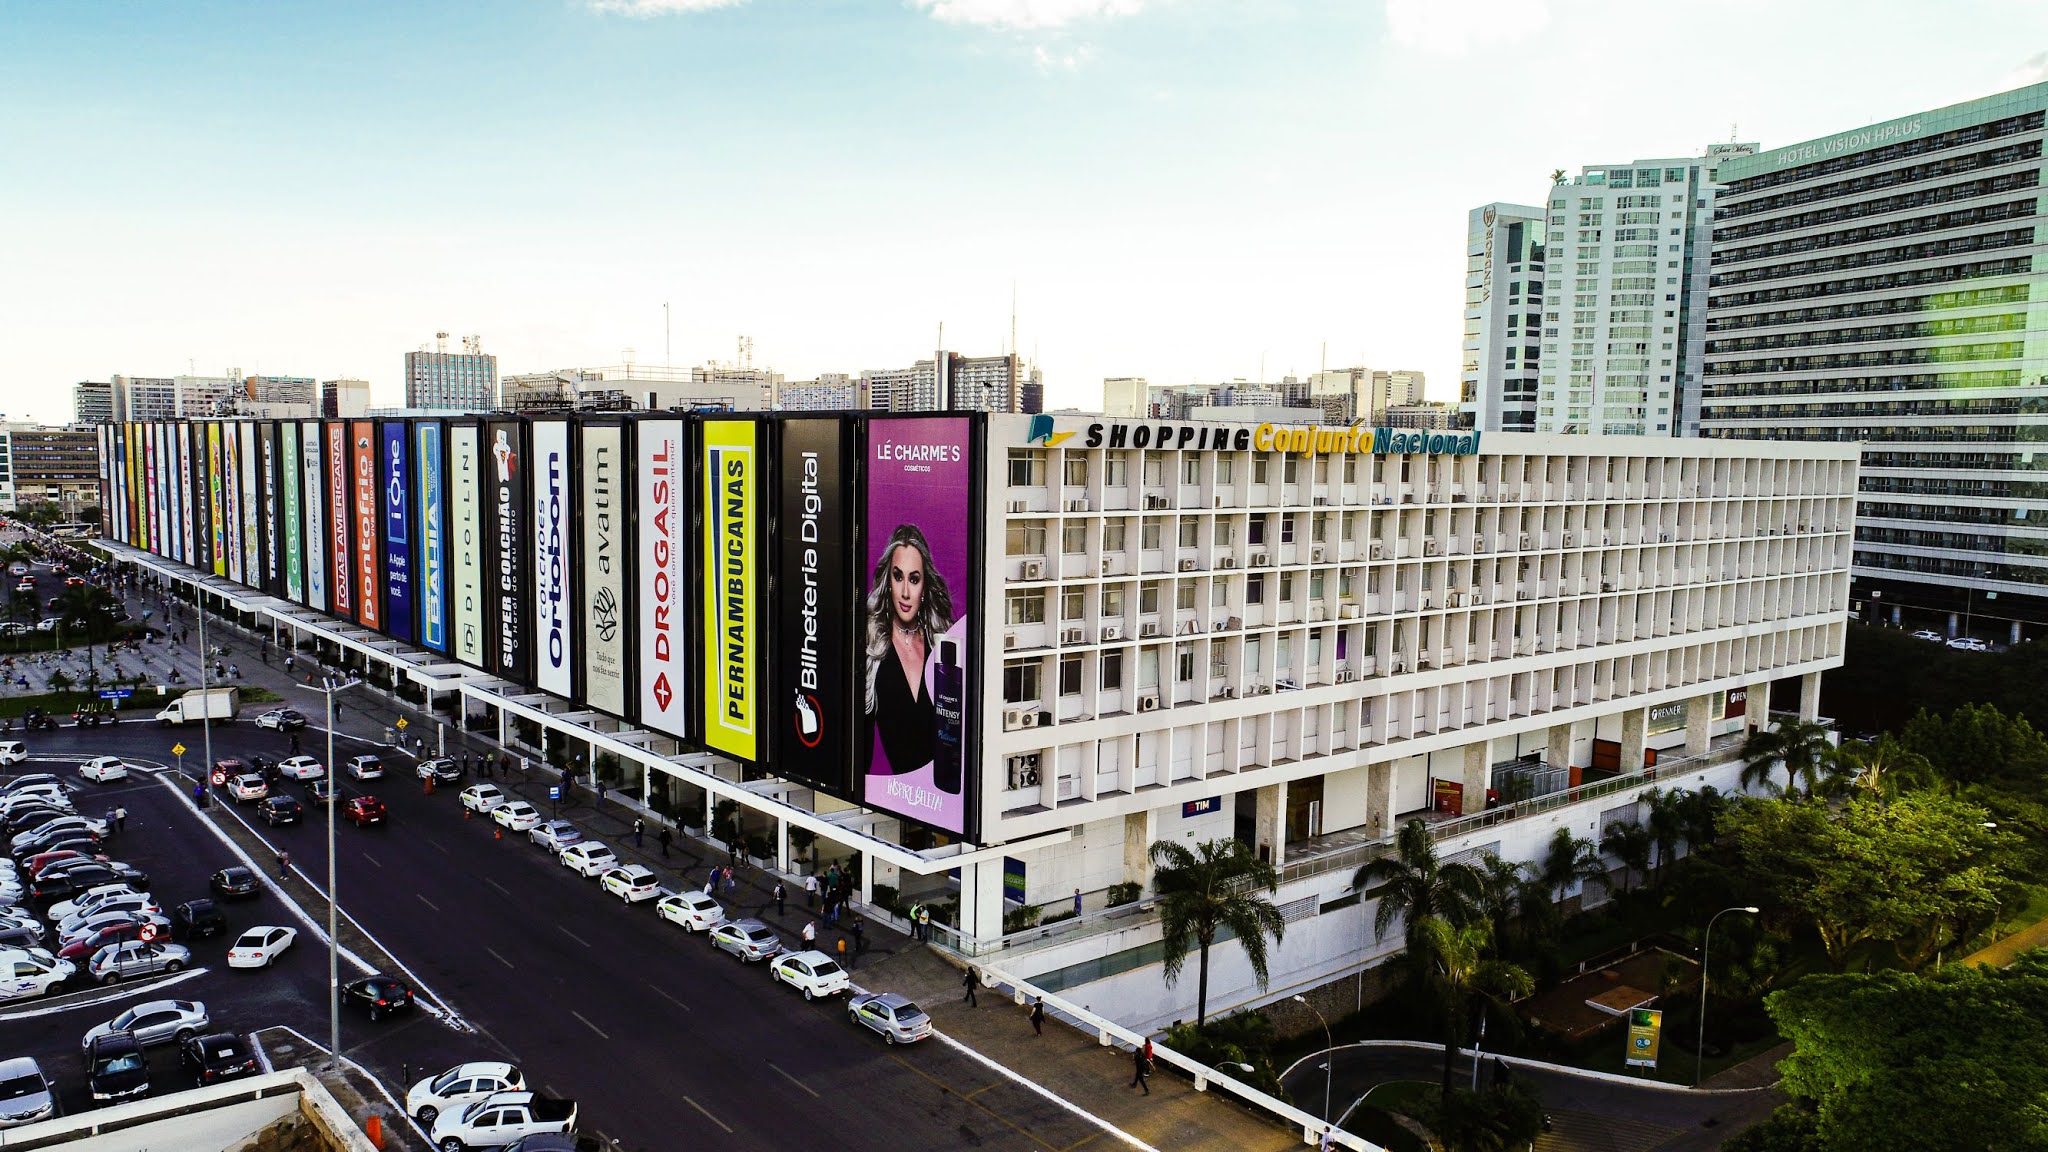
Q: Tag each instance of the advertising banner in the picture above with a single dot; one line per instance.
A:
(166, 489)
(465, 506)
(1645, 1036)
(431, 571)
(602, 561)
(663, 513)
(341, 569)
(267, 509)
(554, 592)
(311, 474)
(103, 437)
(395, 489)
(505, 505)
(216, 504)
(150, 490)
(915, 628)
(289, 474)
(811, 717)
(197, 504)
(231, 504)
(252, 570)
(186, 499)
(732, 579)
(363, 549)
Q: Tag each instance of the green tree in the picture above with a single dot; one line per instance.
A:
(1569, 860)
(1978, 744)
(1881, 768)
(1413, 883)
(1517, 905)
(1630, 843)
(1465, 980)
(1800, 746)
(1505, 1118)
(1199, 892)
(1667, 824)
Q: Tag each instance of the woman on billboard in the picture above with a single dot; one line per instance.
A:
(913, 669)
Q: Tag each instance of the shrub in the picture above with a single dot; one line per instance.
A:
(1125, 893)
(1019, 919)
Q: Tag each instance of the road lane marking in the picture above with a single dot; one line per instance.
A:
(572, 936)
(94, 997)
(663, 993)
(498, 886)
(373, 860)
(427, 902)
(1127, 1139)
(500, 959)
(708, 1115)
(794, 1080)
(596, 1029)
(437, 844)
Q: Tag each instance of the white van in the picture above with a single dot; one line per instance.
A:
(31, 972)
(12, 752)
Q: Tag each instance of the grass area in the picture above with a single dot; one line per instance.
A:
(1408, 1096)
(1374, 1120)
(62, 704)
(1607, 1052)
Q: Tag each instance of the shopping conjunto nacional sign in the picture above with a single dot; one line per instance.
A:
(1307, 440)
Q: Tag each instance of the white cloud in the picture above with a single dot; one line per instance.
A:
(1056, 60)
(1455, 27)
(1026, 14)
(651, 8)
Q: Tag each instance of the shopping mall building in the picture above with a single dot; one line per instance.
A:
(992, 659)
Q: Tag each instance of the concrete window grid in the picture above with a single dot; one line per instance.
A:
(1466, 596)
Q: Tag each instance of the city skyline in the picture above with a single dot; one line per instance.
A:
(1187, 192)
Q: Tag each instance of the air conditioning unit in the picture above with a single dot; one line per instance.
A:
(1034, 569)
(1112, 631)
(1346, 675)
(1187, 565)
(1226, 561)
(1258, 560)
(1070, 635)
(1430, 547)
(1023, 770)
(1315, 554)
(1233, 624)
(1155, 501)
(1149, 629)
(1525, 541)
(1106, 563)
(1228, 692)
(1317, 613)
(1322, 501)
(1077, 505)
(1019, 505)
(1425, 602)
(1479, 545)
(1190, 627)
(1567, 539)
(1009, 640)
(1351, 611)
(1457, 599)
(1148, 702)
(1033, 718)
(1375, 550)
(1219, 501)
(1014, 718)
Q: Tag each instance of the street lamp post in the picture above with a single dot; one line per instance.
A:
(1700, 1057)
(1329, 1055)
(205, 712)
(327, 687)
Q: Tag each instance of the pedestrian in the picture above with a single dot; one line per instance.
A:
(600, 791)
(711, 885)
(120, 819)
(504, 762)
(810, 935)
(730, 883)
(1141, 1073)
(778, 898)
(811, 891)
(914, 910)
(924, 922)
(860, 936)
(284, 863)
(665, 837)
(639, 833)
(844, 960)
(1077, 901)
(969, 982)
(832, 877)
(295, 743)
(112, 826)
(484, 769)
(1038, 1016)
(288, 662)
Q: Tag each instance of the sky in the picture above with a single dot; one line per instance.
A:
(1184, 190)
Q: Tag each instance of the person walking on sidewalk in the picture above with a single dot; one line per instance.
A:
(1141, 1069)
(284, 863)
(1038, 1016)
(924, 922)
(860, 936)
(811, 891)
(810, 935)
(1077, 901)
(778, 897)
(730, 883)
(120, 819)
(845, 958)
(970, 981)
(665, 837)
(639, 833)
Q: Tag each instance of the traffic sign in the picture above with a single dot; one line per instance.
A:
(177, 749)
(219, 778)
(554, 791)
(116, 693)
(401, 723)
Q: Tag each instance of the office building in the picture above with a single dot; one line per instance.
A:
(1424, 416)
(48, 465)
(953, 382)
(145, 398)
(465, 381)
(829, 392)
(344, 398)
(1624, 320)
(1128, 397)
(1885, 285)
(202, 396)
(1400, 386)
(280, 397)
(1503, 317)
(535, 392)
(92, 402)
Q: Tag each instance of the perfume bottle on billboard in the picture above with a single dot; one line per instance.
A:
(948, 677)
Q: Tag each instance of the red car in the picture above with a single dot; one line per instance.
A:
(83, 950)
(363, 811)
(34, 864)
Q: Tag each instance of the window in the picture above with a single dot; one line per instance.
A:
(1020, 683)
(1148, 598)
(1255, 589)
(1257, 535)
(1184, 595)
(1024, 608)
(1287, 529)
(1350, 469)
(1290, 470)
(1073, 538)
(1112, 538)
(1226, 533)
(1224, 471)
(1286, 587)
(1076, 469)
(1070, 676)
(1112, 671)
(1319, 527)
(1219, 594)
(1113, 470)
(1113, 603)
(1026, 467)
(1188, 531)
(1155, 469)
(1025, 538)
(1259, 466)
(1071, 607)
(1149, 536)
(1191, 469)
(1184, 664)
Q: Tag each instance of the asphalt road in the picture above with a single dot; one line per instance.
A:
(664, 1042)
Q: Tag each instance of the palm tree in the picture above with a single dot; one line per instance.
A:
(1414, 883)
(1667, 824)
(1569, 860)
(1628, 842)
(1517, 904)
(1215, 886)
(1699, 815)
(1879, 768)
(1800, 745)
(1464, 977)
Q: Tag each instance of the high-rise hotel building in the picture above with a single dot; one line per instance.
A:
(1503, 316)
(1889, 285)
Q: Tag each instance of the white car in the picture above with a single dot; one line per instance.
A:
(91, 900)
(460, 1086)
(366, 768)
(132, 904)
(260, 947)
(12, 752)
(103, 769)
(1929, 634)
(812, 973)
(40, 794)
(1969, 644)
(632, 883)
(301, 768)
(280, 719)
(587, 858)
(692, 911)
(747, 940)
(247, 788)
(32, 972)
(482, 797)
(554, 835)
(516, 816)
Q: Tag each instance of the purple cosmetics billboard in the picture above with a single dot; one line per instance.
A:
(918, 545)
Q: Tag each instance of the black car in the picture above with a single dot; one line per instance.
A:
(115, 1067)
(51, 889)
(277, 810)
(217, 1057)
(198, 918)
(377, 995)
(58, 867)
(32, 816)
(57, 838)
(236, 883)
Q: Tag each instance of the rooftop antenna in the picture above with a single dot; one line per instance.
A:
(942, 337)
(1325, 367)
(668, 352)
(1013, 319)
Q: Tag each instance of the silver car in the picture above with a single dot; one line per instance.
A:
(117, 962)
(25, 1095)
(747, 940)
(894, 1016)
(157, 1021)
